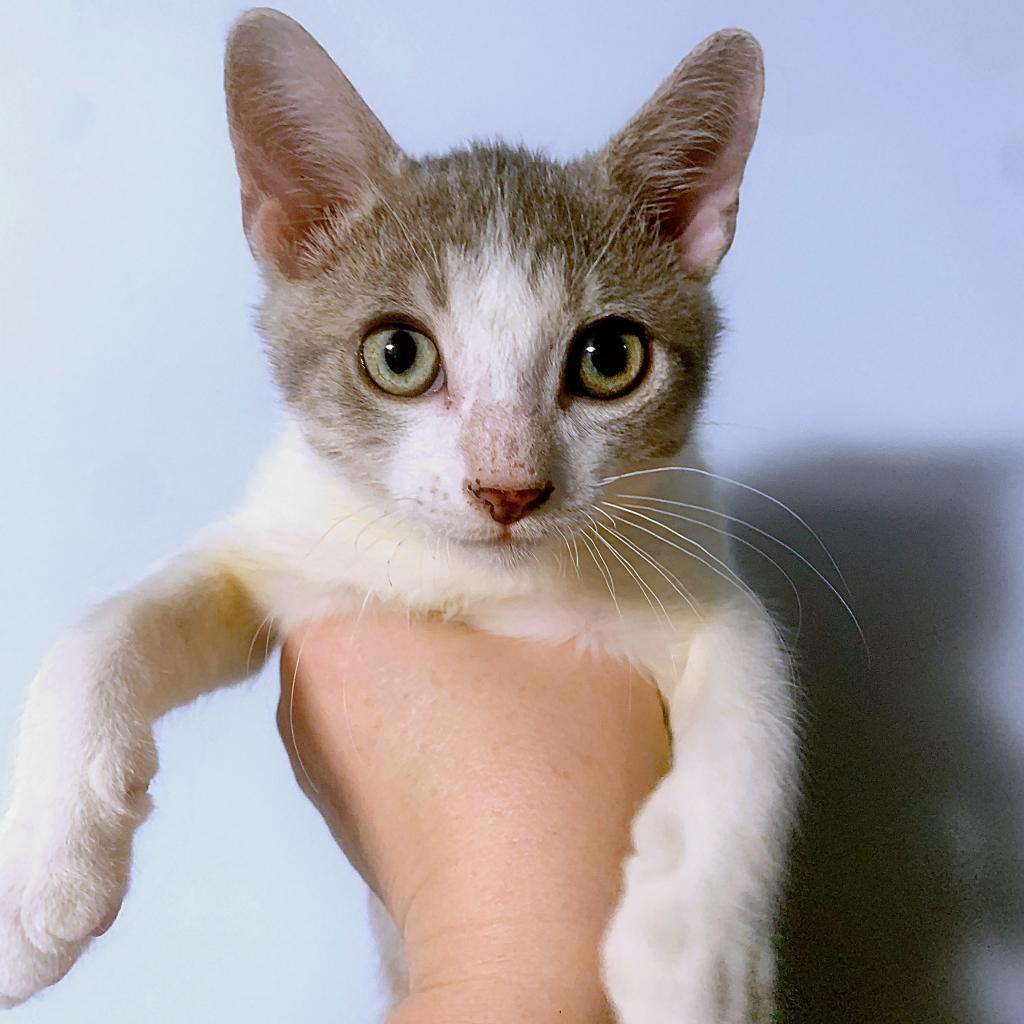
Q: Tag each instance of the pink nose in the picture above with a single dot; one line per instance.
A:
(509, 506)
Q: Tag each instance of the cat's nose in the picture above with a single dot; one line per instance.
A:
(508, 506)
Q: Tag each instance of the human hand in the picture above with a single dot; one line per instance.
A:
(484, 789)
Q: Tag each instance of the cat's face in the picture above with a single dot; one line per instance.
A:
(481, 339)
(495, 323)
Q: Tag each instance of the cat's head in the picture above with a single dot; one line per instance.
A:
(481, 338)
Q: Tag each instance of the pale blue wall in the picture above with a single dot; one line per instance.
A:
(873, 373)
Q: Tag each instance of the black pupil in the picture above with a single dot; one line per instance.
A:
(400, 351)
(609, 354)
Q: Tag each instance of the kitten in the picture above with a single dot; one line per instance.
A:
(492, 364)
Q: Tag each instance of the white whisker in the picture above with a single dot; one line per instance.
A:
(741, 587)
(645, 588)
(252, 643)
(330, 529)
(291, 713)
(739, 540)
(670, 577)
(742, 486)
(602, 567)
(394, 551)
(568, 551)
(726, 571)
(367, 526)
(764, 533)
(624, 562)
(575, 552)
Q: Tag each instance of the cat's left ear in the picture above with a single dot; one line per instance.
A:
(682, 156)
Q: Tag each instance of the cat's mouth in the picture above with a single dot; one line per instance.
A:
(502, 541)
(517, 538)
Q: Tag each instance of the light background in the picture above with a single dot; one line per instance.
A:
(873, 376)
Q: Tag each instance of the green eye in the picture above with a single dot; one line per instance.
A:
(401, 360)
(607, 359)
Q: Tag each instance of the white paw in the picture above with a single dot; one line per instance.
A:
(24, 969)
(708, 976)
(59, 889)
(85, 759)
(690, 939)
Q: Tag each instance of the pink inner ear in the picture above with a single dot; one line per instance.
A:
(704, 241)
(287, 193)
(276, 213)
(712, 216)
(273, 234)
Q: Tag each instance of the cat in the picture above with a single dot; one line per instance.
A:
(492, 363)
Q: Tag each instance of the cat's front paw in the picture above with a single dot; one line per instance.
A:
(58, 891)
(715, 976)
(25, 969)
(691, 939)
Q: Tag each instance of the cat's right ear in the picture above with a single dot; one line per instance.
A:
(308, 149)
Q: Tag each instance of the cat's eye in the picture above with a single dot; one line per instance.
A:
(401, 360)
(607, 359)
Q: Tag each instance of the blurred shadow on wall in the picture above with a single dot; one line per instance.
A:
(909, 853)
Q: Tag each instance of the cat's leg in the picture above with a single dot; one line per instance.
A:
(86, 754)
(691, 941)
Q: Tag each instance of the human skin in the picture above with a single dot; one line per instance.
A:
(484, 789)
